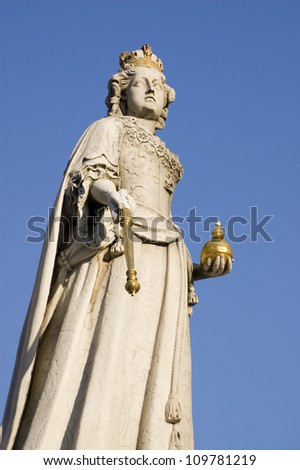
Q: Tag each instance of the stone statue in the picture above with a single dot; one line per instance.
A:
(98, 368)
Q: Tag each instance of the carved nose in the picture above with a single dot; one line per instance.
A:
(150, 90)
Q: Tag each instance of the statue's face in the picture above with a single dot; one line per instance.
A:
(145, 94)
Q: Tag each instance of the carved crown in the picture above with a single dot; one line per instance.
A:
(141, 58)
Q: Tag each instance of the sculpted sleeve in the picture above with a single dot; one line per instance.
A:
(85, 226)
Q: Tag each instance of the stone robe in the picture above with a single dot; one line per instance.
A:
(97, 368)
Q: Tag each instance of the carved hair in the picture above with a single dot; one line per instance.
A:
(117, 86)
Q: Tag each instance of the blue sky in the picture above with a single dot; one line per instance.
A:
(234, 124)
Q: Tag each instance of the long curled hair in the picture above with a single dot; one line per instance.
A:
(116, 102)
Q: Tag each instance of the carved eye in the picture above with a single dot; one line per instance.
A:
(138, 83)
(157, 84)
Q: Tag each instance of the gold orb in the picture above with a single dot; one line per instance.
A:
(216, 246)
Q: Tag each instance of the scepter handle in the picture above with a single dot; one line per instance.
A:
(132, 285)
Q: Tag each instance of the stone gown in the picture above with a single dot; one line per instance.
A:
(113, 371)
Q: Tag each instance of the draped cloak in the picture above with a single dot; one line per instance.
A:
(97, 368)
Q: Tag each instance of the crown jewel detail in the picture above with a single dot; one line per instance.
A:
(141, 58)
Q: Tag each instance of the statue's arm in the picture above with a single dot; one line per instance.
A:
(218, 267)
(198, 273)
(101, 189)
(104, 149)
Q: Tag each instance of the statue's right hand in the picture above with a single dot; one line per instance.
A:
(119, 200)
(104, 192)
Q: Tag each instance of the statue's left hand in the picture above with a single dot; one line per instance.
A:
(212, 268)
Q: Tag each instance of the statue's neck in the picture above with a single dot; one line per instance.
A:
(147, 124)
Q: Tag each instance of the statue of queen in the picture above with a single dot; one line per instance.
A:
(98, 368)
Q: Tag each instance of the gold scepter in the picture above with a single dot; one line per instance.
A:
(132, 285)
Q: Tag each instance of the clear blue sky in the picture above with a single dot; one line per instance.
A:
(235, 124)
